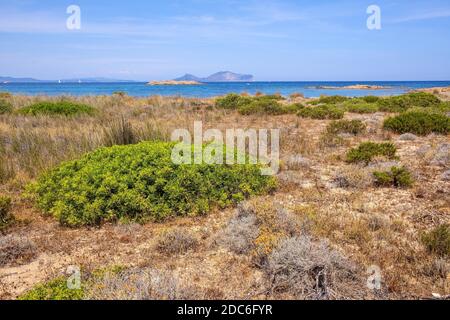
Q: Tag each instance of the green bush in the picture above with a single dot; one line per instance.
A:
(5, 212)
(346, 126)
(253, 105)
(396, 177)
(321, 112)
(370, 99)
(362, 107)
(53, 290)
(421, 123)
(437, 241)
(66, 108)
(330, 100)
(407, 101)
(366, 151)
(140, 182)
(232, 101)
(5, 106)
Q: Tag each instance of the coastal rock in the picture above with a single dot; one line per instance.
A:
(407, 137)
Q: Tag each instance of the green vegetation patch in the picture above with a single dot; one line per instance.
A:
(346, 126)
(437, 241)
(421, 123)
(360, 106)
(266, 104)
(396, 177)
(139, 183)
(367, 151)
(65, 108)
(56, 289)
(5, 106)
(5, 212)
(407, 101)
(330, 100)
(322, 112)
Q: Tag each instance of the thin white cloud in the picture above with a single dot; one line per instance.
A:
(424, 16)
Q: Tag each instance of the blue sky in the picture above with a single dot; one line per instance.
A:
(273, 40)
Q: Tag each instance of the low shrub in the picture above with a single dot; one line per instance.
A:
(5, 106)
(232, 101)
(420, 123)
(56, 289)
(263, 104)
(437, 241)
(141, 284)
(330, 100)
(370, 99)
(5, 212)
(311, 270)
(139, 183)
(241, 231)
(176, 241)
(346, 126)
(396, 177)
(65, 108)
(362, 107)
(321, 112)
(16, 251)
(407, 101)
(366, 151)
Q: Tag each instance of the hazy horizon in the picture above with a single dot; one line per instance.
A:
(272, 40)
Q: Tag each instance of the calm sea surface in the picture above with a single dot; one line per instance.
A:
(140, 89)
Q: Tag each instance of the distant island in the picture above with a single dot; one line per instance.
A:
(222, 76)
(173, 83)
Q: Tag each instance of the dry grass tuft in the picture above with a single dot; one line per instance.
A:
(141, 284)
(16, 251)
(176, 241)
(311, 270)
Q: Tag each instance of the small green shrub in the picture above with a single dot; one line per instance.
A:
(362, 107)
(5, 212)
(407, 101)
(420, 123)
(321, 112)
(370, 99)
(366, 151)
(263, 104)
(65, 108)
(437, 241)
(140, 182)
(346, 126)
(397, 177)
(232, 101)
(330, 100)
(5, 106)
(53, 290)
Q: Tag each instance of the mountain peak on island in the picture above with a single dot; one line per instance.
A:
(222, 76)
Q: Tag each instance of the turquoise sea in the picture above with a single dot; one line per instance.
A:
(140, 89)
